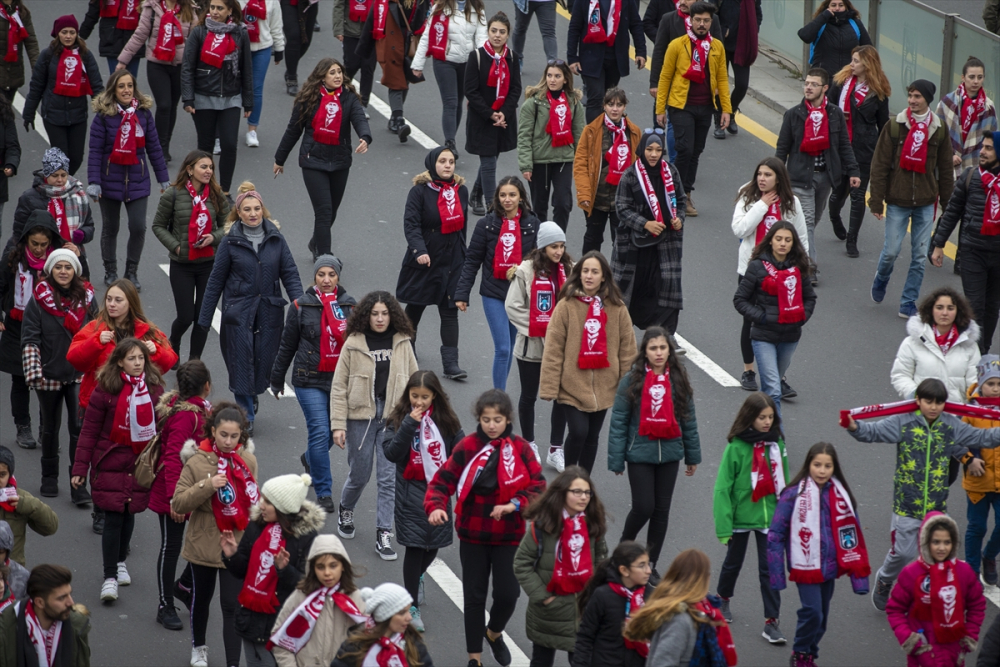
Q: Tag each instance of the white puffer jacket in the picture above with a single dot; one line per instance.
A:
(919, 358)
(272, 28)
(464, 37)
(745, 221)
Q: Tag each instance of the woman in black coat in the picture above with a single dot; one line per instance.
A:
(10, 149)
(115, 21)
(251, 260)
(325, 153)
(511, 210)
(733, 20)
(491, 126)
(835, 30)
(435, 250)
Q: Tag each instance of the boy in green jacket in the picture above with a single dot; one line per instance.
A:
(20, 509)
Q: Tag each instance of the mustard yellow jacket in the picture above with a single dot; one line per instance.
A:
(673, 88)
(977, 487)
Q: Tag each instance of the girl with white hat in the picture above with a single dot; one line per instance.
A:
(389, 607)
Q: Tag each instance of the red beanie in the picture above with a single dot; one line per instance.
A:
(68, 21)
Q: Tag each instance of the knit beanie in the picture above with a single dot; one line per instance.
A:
(7, 458)
(549, 233)
(385, 601)
(67, 21)
(59, 255)
(287, 492)
(53, 160)
(987, 368)
(327, 260)
(925, 88)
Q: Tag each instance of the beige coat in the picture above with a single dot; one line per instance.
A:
(352, 395)
(518, 307)
(589, 390)
(327, 636)
(193, 495)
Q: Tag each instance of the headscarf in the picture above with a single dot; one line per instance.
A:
(430, 162)
(655, 176)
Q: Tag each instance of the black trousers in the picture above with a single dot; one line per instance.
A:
(326, 191)
(353, 63)
(415, 563)
(691, 127)
(736, 552)
(543, 656)
(70, 139)
(294, 48)
(118, 527)
(594, 87)
(741, 83)
(171, 541)
(449, 322)
(225, 125)
(555, 178)
(202, 591)
(746, 347)
(20, 401)
(839, 195)
(188, 281)
(165, 85)
(583, 436)
(981, 284)
(530, 373)
(111, 212)
(478, 562)
(593, 235)
(51, 403)
(652, 490)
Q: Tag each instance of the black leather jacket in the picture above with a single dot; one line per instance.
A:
(235, 77)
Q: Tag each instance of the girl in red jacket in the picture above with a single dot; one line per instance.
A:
(937, 605)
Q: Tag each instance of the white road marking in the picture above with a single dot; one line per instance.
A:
(40, 129)
(714, 370)
(992, 594)
(415, 132)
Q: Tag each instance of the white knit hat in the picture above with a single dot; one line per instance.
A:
(385, 601)
(60, 255)
(287, 492)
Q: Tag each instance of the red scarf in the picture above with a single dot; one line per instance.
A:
(947, 340)
(358, 11)
(261, 583)
(200, 222)
(381, 8)
(772, 216)
(437, 42)
(72, 314)
(852, 553)
(859, 91)
(573, 563)
(972, 109)
(130, 136)
(216, 47)
(913, 157)
(24, 282)
(560, 125)
(253, 27)
(169, 35)
(71, 75)
(5, 506)
(767, 474)
(507, 253)
(941, 599)
(128, 14)
(722, 632)
(600, 34)
(634, 601)
(327, 120)
(388, 652)
(499, 76)
(449, 205)
(256, 8)
(427, 451)
(295, 632)
(231, 504)
(650, 193)
(903, 407)
(619, 156)
(333, 324)
(45, 642)
(594, 338)
(57, 208)
(991, 209)
(656, 411)
(544, 294)
(512, 473)
(16, 33)
(816, 137)
(786, 285)
(700, 49)
(135, 419)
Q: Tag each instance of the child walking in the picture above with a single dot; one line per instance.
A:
(392, 640)
(805, 509)
(983, 489)
(21, 510)
(752, 474)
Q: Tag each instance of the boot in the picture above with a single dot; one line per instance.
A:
(50, 476)
(404, 130)
(98, 516)
(24, 438)
(838, 227)
(110, 272)
(852, 245)
(449, 359)
(394, 121)
(50, 487)
(291, 86)
(132, 273)
(477, 204)
(450, 145)
(81, 496)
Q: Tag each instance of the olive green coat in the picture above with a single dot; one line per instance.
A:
(534, 144)
(172, 221)
(30, 513)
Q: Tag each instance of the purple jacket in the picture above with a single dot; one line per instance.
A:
(124, 182)
(779, 538)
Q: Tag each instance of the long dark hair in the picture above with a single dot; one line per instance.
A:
(751, 193)
(56, 46)
(310, 583)
(524, 204)
(227, 411)
(182, 178)
(109, 375)
(680, 384)
(310, 95)
(748, 413)
(608, 291)
(964, 315)
(541, 264)
(624, 555)
(76, 293)
(797, 256)
(546, 510)
(358, 320)
(363, 638)
(444, 416)
(234, 7)
(191, 378)
(17, 252)
(838, 472)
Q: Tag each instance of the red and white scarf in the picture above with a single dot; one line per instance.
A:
(499, 76)
(387, 652)
(786, 285)
(634, 601)
(991, 207)
(816, 137)
(16, 33)
(253, 14)
(333, 324)
(381, 9)
(135, 419)
(6, 506)
(71, 75)
(560, 125)
(512, 473)
(437, 38)
(544, 294)
(904, 407)
(57, 209)
(772, 216)
(259, 592)
(216, 47)
(650, 193)
(358, 11)
(449, 205)
(656, 410)
(427, 451)
(767, 472)
(24, 282)
(295, 632)
(169, 35)
(507, 253)
(701, 47)
(852, 88)
(46, 643)
(946, 341)
(602, 34)
(327, 119)
(127, 12)
(231, 504)
(72, 314)
(913, 157)
(722, 631)
(131, 136)
(940, 598)
(200, 222)
(594, 338)
(619, 156)
(972, 109)
(573, 563)
(805, 556)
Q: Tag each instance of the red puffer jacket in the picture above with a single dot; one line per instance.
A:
(186, 423)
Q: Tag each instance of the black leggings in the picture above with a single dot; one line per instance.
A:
(225, 125)
(165, 84)
(187, 280)
(652, 490)
(449, 322)
(111, 214)
(118, 527)
(584, 432)
(51, 403)
(20, 400)
(202, 592)
(415, 563)
(741, 82)
(543, 656)
(746, 347)
(478, 561)
(70, 139)
(529, 373)
(294, 48)
(555, 178)
(326, 191)
(353, 63)
(843, 191)
(171, 541)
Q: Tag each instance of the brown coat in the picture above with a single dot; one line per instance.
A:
(193, 495)
(891, 184)
(390, 53)
(587, 162)
(589, 390)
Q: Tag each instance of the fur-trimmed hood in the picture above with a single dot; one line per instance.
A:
(311, 518)
(424, 177)
(934, 521)
(167, 403)
(191, 447)
(917, 329)
(538, 92)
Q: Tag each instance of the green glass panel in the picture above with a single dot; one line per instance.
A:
(782, 20)
(910, 43)
(969, 42)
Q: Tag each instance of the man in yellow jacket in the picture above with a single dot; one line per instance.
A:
(983, 489)
(694, 72)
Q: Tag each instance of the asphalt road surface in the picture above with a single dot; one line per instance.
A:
(843, 361)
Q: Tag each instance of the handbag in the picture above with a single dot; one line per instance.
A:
(147, 464)
(410, 44)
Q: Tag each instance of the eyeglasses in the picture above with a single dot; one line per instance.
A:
(582, 493)
(645, 566)
(556, 61)
(653, 130)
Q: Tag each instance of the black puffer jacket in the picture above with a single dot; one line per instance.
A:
(324, 157)
(757, 305)
(839, 156)
(235, 77)
(867, 121)
(10, 153)
(482, 248)
(412, 527)
(967, 203)
(47, 332)
(300, 342)
(111, 39)
(59, 110)
(833, 50)
(599, 641)
(256, 626)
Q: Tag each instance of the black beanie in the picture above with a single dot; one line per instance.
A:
(925, 88)
(7, 458)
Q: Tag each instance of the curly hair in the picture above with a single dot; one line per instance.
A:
(964, 315)
(358, 321)
(680, 384)
(227, 411)
(310, 92)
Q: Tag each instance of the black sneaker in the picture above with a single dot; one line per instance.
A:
(404, 131)
(990, 571)
(880, 593)
(326, 502)
(98, 521)
(720, 133)
(24, 438)
(749, 381)
(786, 390)
(383, 545)
(304, 460)
(345, 523)
(654, 577)
(167, 617)
(182, 594)
(450, 145)
(499, 649)
(474, 663)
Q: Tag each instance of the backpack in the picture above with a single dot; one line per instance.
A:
(147, 464)
(707, 652)
(812, 47)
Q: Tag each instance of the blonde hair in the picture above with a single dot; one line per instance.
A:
(684, 585)
(245, 186)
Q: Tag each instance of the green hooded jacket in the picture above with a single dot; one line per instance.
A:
(733, 503)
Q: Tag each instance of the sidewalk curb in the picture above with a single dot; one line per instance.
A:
(761, 97)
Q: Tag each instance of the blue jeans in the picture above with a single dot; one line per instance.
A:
(260, 59)
(245, 401)
(132, 67)
(979, 518)
(815, 610)
(503, 333)
(897, 218)
(315, 404)
(773, 360)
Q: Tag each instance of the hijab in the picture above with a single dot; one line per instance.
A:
(655, 175)
(430, 162)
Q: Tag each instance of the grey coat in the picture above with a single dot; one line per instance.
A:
(672, 645)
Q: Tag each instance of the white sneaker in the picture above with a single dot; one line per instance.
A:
(534, 448)
(252, 141)
(123, 578)
(109, 590)
(218, 148)
(199, 656)
(556, 458)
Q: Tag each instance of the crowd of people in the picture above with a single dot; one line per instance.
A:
(145, 434)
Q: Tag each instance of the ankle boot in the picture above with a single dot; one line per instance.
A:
(838, 227)
(110, 272)
(81, 496)
(132, 273)
(449, 360)
(852, 245)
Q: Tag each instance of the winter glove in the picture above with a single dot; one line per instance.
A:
(94, 190)
(29, 125)
(914, 641)
(77, 236)
(278, 56)
(164, 185)
(968, 644)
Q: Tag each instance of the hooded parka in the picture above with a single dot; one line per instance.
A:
(123, 182)
(178, 421)
(17, 579)
(919, 357)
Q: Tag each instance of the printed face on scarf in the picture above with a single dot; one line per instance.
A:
(58, 178)
(555, 251)
(328, 570)
(988, 154)
(940, 545)
(781, 244)
(764, 420)
(125, 90)
(916, 102)
(857, 67)
(327, 279)
(653, 153)
(767, 180)
(944, 313)
(591, 276)
(251, 212)
(227, 436)
(219, 11)
(267, 511)
(555, 79)
(334, 77)
(577, 496)
(445, 165)
(615, 110)
(498, 36)
(63, 273)
(814, 90)
(421, 398)
(56, 605)
(201, 172)
(399, 622)
(116, 303)
(973, 80)
(379, 318)
(38, 243)
(67, 37)
(134, 362)
(510, 198)
(821, 468)
(657, 352)
(701, 23)
(493, 422)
